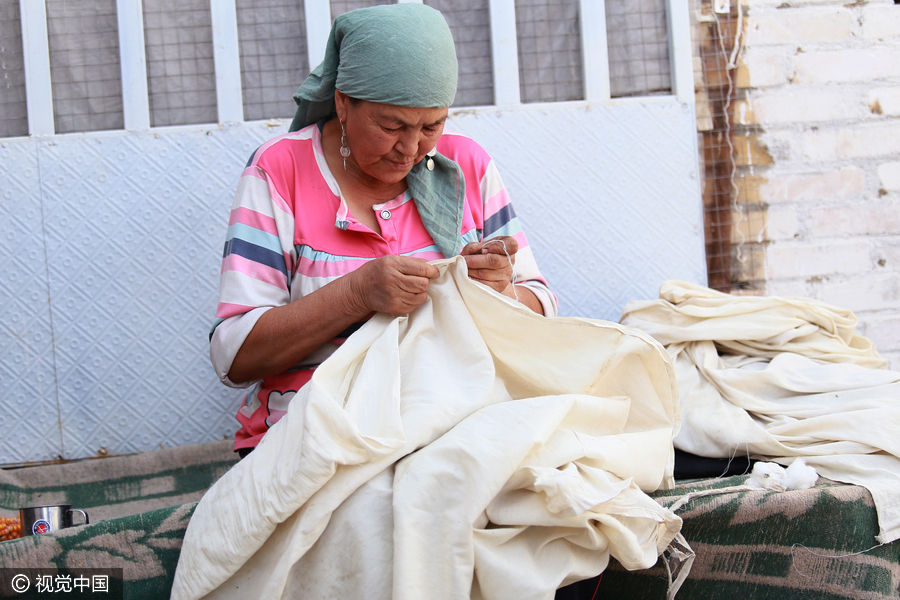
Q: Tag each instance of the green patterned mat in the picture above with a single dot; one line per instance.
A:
(139, 508)
(758, 545)
(803, 545)
(119, 486)
(145, 546)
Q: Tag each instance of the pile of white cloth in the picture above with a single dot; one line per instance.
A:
(471, 449)
(780, 378)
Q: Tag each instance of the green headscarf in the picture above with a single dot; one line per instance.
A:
(399, 54)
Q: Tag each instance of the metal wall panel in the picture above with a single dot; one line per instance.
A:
(608, 196)
(111, 249)
(29, 407)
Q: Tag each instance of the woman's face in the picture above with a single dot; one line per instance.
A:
(386, 141)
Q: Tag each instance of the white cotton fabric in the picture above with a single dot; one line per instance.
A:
(779, 378)
(471, 449)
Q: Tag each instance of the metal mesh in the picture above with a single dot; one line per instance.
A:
(13, 107)
(637, 35)
(84, 65)
(86, 74)
(734, 216)
(339, 7)
(274, 60)
(180, 69)
(470, 23)
(549, 39)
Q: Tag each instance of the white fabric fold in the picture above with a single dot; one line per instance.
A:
(471, 449)
(779, 378)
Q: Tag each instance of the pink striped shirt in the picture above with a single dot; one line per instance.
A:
(291, 232)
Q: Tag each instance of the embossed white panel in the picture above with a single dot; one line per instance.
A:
(29, 411)
(110, 248)
(608, 196)
(111, 243)
(137, 223)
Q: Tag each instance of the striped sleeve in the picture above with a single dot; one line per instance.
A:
(500, 219)
(257, 263)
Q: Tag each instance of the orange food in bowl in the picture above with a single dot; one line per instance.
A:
(10, 528)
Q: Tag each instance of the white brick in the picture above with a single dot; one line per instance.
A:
(869, 218)
(768, 66)
(788, 288)
(872, 141)
(880, 292)
(889, 176)
(788, 105)
(881, 22)
(887, 255)
(782, 223)
(885, 101)
(789, 261)
(838, 66)
(799, 26)
(884, 332)
(846, 183)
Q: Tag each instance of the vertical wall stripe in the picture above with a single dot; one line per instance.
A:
(318, 26)
(135, 97)
(505, 52)
(36, 54)
(592, 18)
(680, 50)
(227, 59)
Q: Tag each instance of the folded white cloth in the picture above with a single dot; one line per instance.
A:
(778, 378)
(471, 449)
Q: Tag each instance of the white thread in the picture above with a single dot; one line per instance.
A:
(730, 460)
(837, 555)
(682, 500)
(511, 263)
(728, 464)
(730, 66)
(680, 553)
(801, 573)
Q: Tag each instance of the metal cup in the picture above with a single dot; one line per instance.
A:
(44, 519)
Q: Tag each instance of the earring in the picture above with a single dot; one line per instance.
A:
(429, 164)
(345, 149)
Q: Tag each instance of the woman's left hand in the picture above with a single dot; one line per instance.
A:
(491, 262)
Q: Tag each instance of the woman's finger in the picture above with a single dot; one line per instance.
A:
(487, 262)
(503, 245)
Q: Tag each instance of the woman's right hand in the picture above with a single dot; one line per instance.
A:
(396, 285)
(286, 334)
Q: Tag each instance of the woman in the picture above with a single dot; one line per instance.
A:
(337, 220)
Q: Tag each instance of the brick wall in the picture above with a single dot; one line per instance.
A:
(822, 83)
